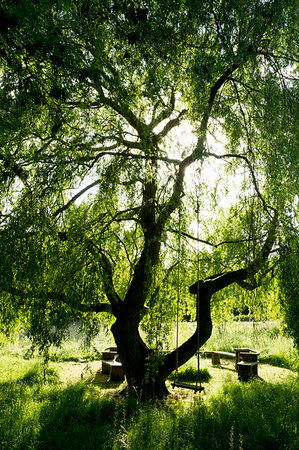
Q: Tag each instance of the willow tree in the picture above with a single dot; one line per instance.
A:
(95, 101)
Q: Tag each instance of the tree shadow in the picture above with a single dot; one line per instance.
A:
(77, 419)
(76, 416)
(103, 381)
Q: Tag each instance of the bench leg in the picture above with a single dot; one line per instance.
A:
(215, 358)
(247, 371)
(116, 373)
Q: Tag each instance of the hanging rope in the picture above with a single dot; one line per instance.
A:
(198, 378)
(197, 387)
(178, 295)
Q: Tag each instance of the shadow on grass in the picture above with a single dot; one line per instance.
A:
(103, 382)
(225, 367)
(74, 418)
(52, 416)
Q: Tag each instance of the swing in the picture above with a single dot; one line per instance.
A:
(194, 387)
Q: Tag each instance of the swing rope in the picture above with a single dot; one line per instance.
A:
(198, 378)
(197, 387)
(178, 296)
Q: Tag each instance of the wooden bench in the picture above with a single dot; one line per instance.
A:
(246, 363)
(216, 355)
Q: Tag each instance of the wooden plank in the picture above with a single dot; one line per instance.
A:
(225, 354)
(210, 352)
(215, 358)
(108, 354)
(114, 369)
(247, 363)
(247, 370)
(248, 357)
(193, 387)
(116, 372)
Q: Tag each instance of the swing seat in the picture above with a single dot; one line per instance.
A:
(193, 387)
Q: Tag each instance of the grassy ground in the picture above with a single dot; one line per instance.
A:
(70, 404)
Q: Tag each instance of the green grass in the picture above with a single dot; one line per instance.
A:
(232, 419)
(38, 410)
(254, 415)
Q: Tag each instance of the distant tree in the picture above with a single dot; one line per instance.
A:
(95, 100)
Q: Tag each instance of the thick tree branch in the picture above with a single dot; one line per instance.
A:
(125, 154)
(198, 153)
(166, 113)
(215, 284)
(204, 289)
(170, 125)
(123, 110)
(107, 277)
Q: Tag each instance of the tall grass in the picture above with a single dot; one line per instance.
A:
(249, 416)
(75, 348)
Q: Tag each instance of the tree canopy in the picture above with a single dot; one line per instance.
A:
(111, 113)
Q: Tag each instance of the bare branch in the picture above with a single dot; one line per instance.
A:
(167, 111)
(107, 277)
(125, 154)
(199, 150)
(121, 109)
(56, 296)
(215, 284)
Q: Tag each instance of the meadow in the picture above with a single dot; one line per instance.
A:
(69, 404)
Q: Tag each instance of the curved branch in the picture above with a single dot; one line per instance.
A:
(204, 289)
(255, 183)
(198, 153)
(165, 113)
(221, 281)
(145, 157)
(73, 199)
(121, 109)
(203, 241)
(170, 125)
(107, 277)
(202, 333)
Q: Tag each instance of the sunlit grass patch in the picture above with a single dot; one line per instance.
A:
(191, 374)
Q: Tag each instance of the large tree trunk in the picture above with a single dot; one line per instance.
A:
(146, 371)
